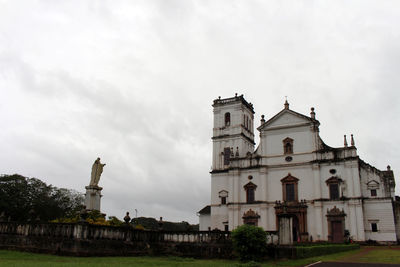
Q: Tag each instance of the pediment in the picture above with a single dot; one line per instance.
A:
(223, 193)
(289, 179)
(373, 184)
(251, 214)
(286, 118)
(335, 212)
(334, 180)
(250, 185)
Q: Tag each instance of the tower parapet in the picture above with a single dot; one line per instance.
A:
(233, 131)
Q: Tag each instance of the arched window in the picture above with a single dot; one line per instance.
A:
(287, 146)
(227, 119)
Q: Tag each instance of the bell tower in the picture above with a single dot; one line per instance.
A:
(233, 131)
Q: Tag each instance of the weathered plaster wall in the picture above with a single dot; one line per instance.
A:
(92, 240)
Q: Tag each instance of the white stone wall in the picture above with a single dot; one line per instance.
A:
(204, 222)
(381, 213)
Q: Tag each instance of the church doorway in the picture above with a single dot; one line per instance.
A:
(336, 218)
(337, 231)
(298, 212)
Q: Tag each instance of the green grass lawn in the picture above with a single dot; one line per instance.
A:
(377, 255)
(15, 258)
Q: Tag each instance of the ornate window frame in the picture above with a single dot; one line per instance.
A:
(373, 185)
(335, 215)
(250, 189)
(289, 179)
(223, 195)
(287, 146)
(251, 217)
(334, 180)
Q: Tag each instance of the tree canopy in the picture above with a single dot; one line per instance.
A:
(24, 199)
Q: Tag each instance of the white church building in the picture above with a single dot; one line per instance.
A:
(325, 191)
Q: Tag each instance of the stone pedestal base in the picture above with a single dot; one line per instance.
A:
(92, 197)
(285, 230)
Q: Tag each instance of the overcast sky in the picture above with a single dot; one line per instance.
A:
(133, 82)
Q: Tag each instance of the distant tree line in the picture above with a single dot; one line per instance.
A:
(30, 199)
(153, 224)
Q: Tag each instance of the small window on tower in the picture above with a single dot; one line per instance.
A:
(227, 155)
(227, 119)
(223, 195)
(223, 200)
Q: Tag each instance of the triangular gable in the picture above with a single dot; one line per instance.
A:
(373, 184)
(286, 117)
(223, 193)
(250, 185)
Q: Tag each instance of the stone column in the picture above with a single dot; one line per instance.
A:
(92, 197)
(318, 229)
(360, 221)
(317, 181)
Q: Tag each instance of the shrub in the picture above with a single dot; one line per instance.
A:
(249, 242)
(139, 227)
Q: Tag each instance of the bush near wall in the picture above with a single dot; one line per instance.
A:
(317, 250)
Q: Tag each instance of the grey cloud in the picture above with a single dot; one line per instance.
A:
(133, 83)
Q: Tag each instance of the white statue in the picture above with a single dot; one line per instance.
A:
(97, 169)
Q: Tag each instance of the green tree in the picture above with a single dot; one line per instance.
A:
(24, 199)
(249, 242)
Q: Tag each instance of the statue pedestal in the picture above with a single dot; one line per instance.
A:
(92, 197)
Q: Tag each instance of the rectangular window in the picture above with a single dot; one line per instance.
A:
(334, 191)
(374, 227)
(223, 200)
(290, 192)
(250, 195)
(373, 192)
(226, 228)
(227, 155)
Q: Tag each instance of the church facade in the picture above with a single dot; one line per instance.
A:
(327, 192)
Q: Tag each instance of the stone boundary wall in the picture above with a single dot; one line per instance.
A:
(94, 240)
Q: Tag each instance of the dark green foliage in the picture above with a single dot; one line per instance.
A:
(30, 199)
(153, 224)
(114, 221)
(250, 242)
(317, 250)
